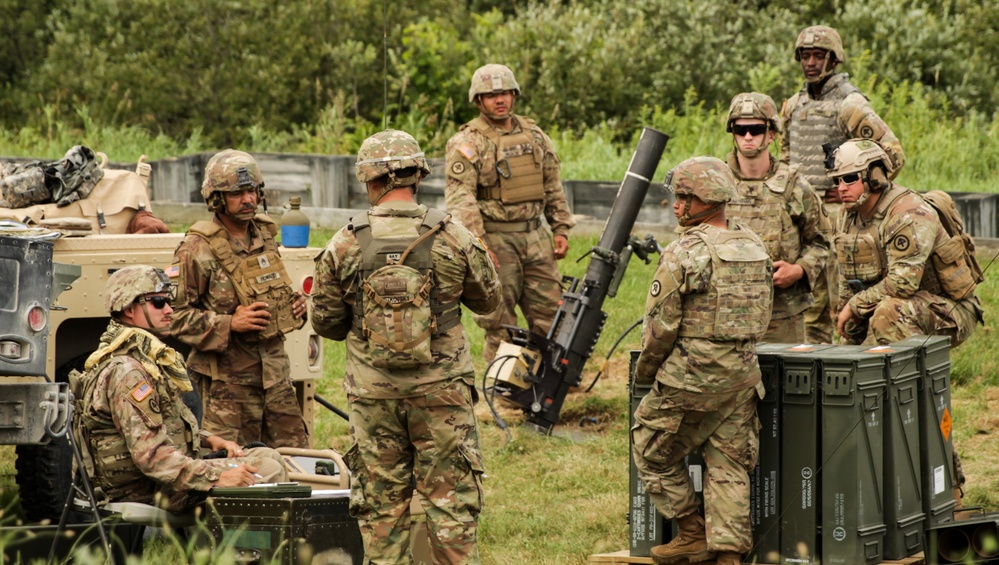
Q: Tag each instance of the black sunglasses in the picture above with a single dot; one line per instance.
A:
(158, 302)
(751, 129)
(849, 178)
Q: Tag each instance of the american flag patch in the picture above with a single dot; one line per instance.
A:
(173, 270)
(467, 151)
(140, 392)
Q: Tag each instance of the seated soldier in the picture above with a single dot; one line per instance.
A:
(141, 442)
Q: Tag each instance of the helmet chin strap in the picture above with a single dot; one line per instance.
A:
(157, 331)
(826, 70)
(395, 182)
(686, 220)
(750, 153)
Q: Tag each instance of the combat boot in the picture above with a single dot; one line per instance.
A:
(729, 558)
(690, 544)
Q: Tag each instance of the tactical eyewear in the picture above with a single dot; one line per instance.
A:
(158, 302)
(751, 129)
(849, 178)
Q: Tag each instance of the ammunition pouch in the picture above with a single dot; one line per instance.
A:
(957, 275)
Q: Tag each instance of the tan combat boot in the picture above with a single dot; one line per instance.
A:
(729, 558)
(690, 544)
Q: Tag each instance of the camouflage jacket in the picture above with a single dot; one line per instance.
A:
(889, 255)
(143, 440)
(788, 216)
(471, 164)
(462, 271)
(687, 268)
(839, 112)
(206, 300)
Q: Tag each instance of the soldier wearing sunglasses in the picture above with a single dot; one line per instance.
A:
(773, 200)
(827, 110)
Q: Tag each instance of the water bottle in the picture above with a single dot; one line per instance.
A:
(295, 225)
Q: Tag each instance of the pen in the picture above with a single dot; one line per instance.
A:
(234, 465)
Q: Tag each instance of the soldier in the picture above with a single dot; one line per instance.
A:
(140, 440)
(390, 284)
(234, 304)
(774, 201)
(901, 274)
(502, 174)
(709, 303)
(827, 110)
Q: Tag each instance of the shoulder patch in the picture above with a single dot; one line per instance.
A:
(656, 288)
(867, 132)
(140, 392)
(901, 242)
(173, 271)
(458, 167)
(467, 151)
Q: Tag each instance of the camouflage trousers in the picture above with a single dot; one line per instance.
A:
(820, 318)
(245, 414)
(669, 425)
(786, 330)
(895, 319)
(529, 278)
(433, 439)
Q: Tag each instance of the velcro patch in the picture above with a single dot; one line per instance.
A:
(140, 392)
(467, 151)
(457, 167)
(901, 242)
(173, 271)
(263, 261)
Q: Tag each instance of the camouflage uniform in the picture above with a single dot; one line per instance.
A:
(244, 380)
(831, 111)
(890, 254)
(707, 306)
(512, 230)
(785, 212)
(415, 422)
(142, 440)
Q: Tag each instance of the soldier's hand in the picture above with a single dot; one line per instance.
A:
(494, 258)
(299, 308)
(786, 274)
(232, 448)
(239, 476)
(561, 246)
(845, 315)
(250, 318)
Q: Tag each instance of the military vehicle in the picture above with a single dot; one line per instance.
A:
(72, 329)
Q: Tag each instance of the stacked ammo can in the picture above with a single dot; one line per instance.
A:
(648, 527)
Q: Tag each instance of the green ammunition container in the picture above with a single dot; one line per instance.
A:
(903, 490)
(764, 485)
(648, 527)
(289, 531)
(799, 461)
(936, 421)
(852, 450)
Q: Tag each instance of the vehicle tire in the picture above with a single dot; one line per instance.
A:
(44, 479)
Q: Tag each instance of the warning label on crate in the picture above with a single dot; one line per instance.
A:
(946, 424)
(938, 480)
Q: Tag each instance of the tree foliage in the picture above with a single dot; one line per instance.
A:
(242, 71)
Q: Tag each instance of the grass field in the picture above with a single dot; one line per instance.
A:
(557, 500)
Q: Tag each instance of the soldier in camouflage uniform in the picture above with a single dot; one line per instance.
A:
(390, 292)
(234, 304)
(709, 303)
(141, 442)
(827, 110)
(774, 201)
(502, 174)
(901, 274)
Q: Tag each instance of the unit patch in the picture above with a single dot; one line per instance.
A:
(867, 132)
(457, 167)
(656, 288)
(901, 243)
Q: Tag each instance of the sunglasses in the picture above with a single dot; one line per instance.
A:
(158, 302)
(751, 129)
(848, 178)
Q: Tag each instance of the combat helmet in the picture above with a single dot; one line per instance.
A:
(820, 37)
(230, 171)
(492, 78)
(865, 157)
(753, 105)
(127, 284)
(707, 178)
(386, 153)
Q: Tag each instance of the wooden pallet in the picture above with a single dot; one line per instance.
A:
(624, 557)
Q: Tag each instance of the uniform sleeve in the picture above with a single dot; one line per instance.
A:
(461, 187)
(858, 119)
(556, 206)
(192, 322)
(481, 292)
(785, 123)
(909, 242)
(678, 273)
(131, 404)
(815, 232)
(332, 315)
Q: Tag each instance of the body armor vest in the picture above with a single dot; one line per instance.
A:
(114, 471)
(373, 301)
(738, 301)
(257, 278)
(814, 122)
(518, 163)
(762, 206)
